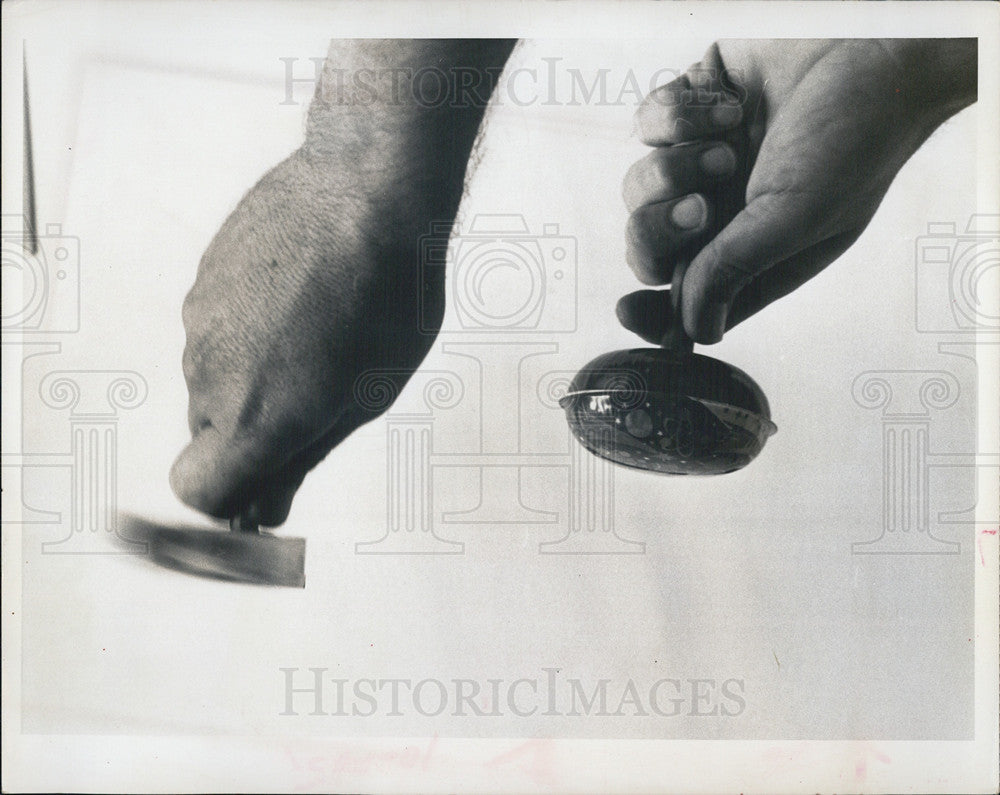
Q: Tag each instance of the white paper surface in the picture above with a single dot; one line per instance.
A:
(789, 639)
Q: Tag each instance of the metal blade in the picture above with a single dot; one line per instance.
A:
(30, 241)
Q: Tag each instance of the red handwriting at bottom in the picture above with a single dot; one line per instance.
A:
(318, 770)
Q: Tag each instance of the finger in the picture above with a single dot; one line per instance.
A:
(766, 231)
(669, 172)
(224, 466)
(787, 276)
(655, 233)
(215, 474)
(275, 496)
(676, 112)
(752, 263)
(707, 74)
(647, 313)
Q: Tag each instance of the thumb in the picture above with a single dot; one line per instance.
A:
(273, 499)
(215, 474)
(224, 477)
(770, 229)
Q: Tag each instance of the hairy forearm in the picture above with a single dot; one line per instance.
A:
(404, 113)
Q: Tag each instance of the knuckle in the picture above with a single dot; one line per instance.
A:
(632, 186)
(632, 259)
(190, 363)
(669, 94)
(644, 232)
(188, 308)
(198, 421)
(681, 127)
(663, 169)
(729, 272)
(635, 261)
(636, 232)
(195, 307)
(733, 272)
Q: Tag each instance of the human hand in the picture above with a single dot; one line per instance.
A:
(304, 287)
(791, 147)
(316, 277)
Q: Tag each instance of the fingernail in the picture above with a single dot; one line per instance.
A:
(718, 161)
(725, 115)
(689, 212)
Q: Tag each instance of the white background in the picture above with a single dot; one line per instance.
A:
(150, 122)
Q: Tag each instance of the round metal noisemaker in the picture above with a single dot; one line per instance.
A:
(668, 409)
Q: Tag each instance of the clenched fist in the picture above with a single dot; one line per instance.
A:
(316, 278)
(303, 289)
